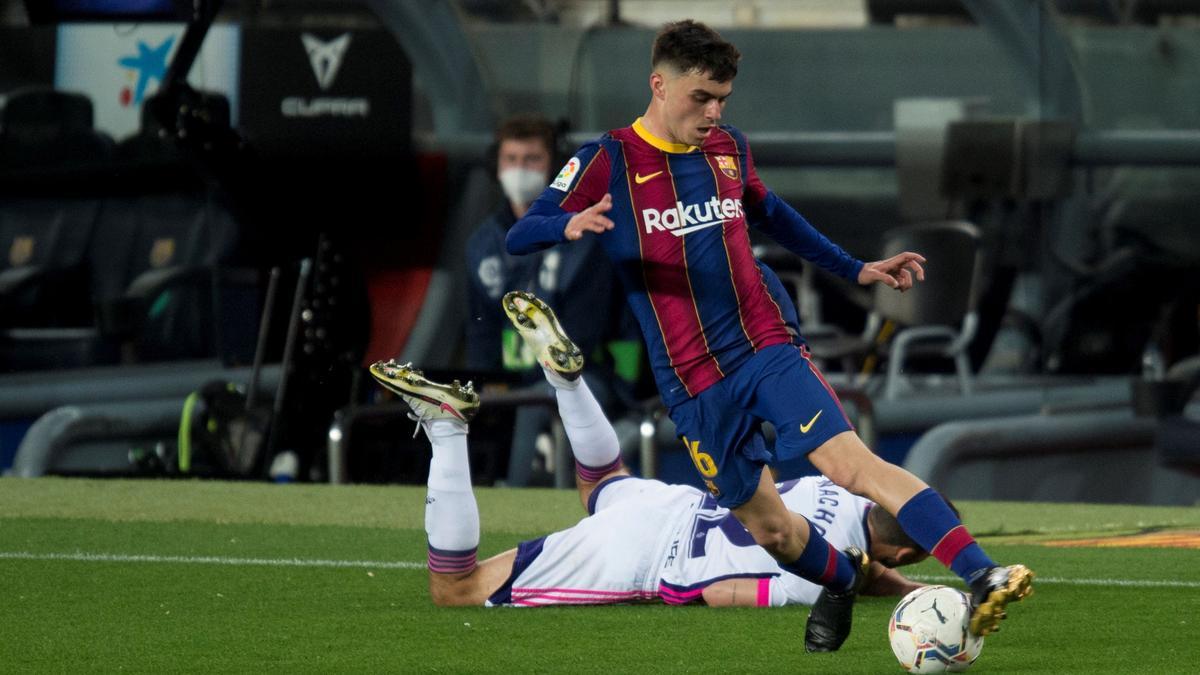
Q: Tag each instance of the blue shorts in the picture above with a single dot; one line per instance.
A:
(722, 426)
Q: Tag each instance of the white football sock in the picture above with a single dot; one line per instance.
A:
(593, 441)
(451, 514)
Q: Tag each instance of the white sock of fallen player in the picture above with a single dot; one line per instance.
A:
(593, 440)
(451, 514)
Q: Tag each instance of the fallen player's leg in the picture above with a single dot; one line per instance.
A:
(451, 513)
(593, 441)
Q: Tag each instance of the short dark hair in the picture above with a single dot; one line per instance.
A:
(692, 46)
(527, 126)
(887, 530)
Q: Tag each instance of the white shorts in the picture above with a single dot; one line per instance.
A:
(609, 557)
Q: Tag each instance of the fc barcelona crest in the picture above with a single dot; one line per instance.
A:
(728, 166)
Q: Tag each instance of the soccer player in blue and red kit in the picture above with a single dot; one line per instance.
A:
(671, 198)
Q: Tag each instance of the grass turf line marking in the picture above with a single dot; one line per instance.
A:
(211, 560)
(80, 556)
(1132, 583)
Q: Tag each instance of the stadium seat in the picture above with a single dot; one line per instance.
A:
(48, 134)
(151, 265)
(47, 207)
(43, 272)
(111, 250)
(156, 290)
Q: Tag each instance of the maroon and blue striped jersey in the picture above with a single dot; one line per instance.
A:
(681, 246)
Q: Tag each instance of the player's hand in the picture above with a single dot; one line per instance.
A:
(900, 271)
(591, 219)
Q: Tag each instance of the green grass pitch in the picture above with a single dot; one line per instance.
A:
(163, 576)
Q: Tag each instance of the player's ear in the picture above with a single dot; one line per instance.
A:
(908, 555)
(658, 85)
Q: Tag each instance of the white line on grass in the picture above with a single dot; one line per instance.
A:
(1135, 583)
(80, 556)
(211, 560)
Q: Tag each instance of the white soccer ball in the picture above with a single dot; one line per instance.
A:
(928, 631)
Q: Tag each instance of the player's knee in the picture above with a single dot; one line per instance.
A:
(776, 537)
(858, 473)
(775, 542)
(848, 475)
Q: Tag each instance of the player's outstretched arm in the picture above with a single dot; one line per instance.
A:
(547, 224)
(573, 204)
(591, 219)
(732, 593)
(778, 220)
(542, 227)
(744, 592)
(900, 271)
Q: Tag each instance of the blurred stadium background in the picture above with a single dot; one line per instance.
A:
(205, 232)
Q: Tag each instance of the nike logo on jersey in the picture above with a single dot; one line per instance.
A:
(805, 427)
(684, 218)
(639, 178)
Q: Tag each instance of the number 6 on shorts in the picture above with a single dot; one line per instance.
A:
(703, 461)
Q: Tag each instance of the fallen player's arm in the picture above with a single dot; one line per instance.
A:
(886, 581)
(744, 592)
(732, 593)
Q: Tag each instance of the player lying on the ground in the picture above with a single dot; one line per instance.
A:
(643, 539)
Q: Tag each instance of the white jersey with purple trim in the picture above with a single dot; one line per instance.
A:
(714, 545)
(839, 516)
(609, 557)
(648, 540)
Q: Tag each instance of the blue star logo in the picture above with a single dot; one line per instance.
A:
(150, 63)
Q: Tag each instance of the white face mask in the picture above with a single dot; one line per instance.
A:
(521, 185)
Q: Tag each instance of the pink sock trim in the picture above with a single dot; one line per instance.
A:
(591, 474)
(451, 562)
